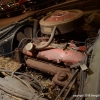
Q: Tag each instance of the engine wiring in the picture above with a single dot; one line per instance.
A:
(19, 73)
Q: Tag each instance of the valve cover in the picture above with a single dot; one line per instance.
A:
(60, 55)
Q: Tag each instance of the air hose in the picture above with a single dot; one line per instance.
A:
(49, 41)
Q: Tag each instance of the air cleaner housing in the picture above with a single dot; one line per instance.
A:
(64, 20)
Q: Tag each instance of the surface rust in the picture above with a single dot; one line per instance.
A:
(61, 16)
(61, 75)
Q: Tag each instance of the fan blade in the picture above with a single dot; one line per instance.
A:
(21, 36)
(28, 32)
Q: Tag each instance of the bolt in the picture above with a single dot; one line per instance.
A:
(62, 76)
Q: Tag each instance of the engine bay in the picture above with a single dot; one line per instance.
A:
(54, 55)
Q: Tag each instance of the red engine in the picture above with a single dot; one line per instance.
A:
(55, 47)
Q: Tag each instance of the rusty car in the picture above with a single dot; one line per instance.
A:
(51, 55)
